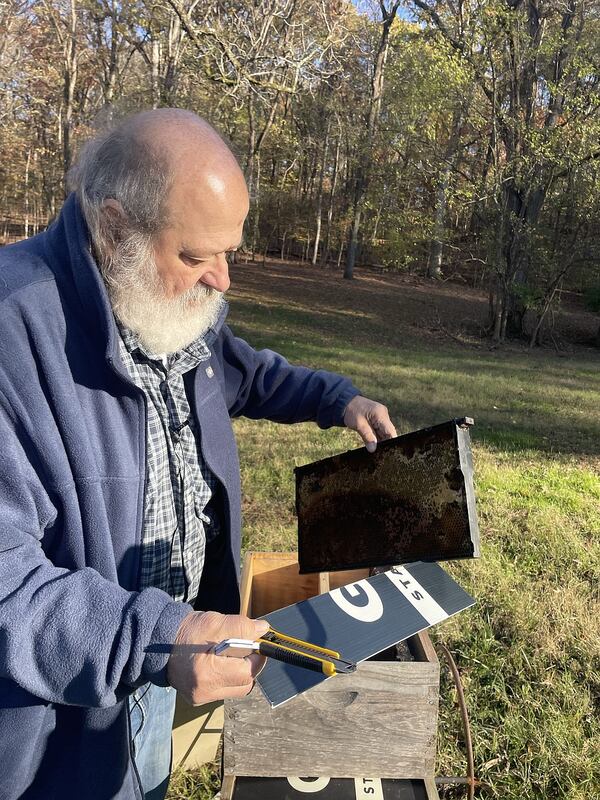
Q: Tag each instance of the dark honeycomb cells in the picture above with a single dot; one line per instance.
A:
(412, 499)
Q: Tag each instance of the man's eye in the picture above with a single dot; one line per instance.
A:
(190, 259)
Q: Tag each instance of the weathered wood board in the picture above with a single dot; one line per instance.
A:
(412, 499)
(360, 620)
(381, 719)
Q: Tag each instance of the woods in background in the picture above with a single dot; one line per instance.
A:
(440, 137)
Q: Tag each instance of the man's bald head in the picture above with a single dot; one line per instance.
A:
(179, 133)
(162, 184)
(188, 144)
(138, 161)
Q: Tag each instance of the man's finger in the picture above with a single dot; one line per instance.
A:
(382, 424)
(236, 626)
(366, 433)
(370, 419)
(384, 430)
(232, 671)
(257, 662)
(245, 628)
(239, 691)
(200, 698)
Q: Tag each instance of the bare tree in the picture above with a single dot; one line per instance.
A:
(257, 54)
(388, 14)
(64, 19)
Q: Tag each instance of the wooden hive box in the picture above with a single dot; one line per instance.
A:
(381, 721)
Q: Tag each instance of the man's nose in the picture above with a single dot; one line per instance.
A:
(217, 277)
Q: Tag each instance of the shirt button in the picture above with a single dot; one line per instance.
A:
(210, 372)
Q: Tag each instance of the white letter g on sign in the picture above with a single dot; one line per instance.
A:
(370, 612)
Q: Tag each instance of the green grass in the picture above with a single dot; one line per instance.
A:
(529, 651)
(200, 784)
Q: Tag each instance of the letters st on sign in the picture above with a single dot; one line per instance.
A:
(373, 609)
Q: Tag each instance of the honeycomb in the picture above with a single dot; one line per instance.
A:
(411, 500)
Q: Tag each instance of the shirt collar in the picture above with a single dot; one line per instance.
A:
(179, 362)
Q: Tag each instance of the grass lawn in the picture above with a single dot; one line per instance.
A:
(529, 651)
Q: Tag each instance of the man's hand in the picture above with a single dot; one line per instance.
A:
(200, 675)
(370, 419)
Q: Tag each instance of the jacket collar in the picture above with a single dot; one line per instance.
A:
(69, 235)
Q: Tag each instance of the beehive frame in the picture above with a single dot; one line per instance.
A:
(411, 500)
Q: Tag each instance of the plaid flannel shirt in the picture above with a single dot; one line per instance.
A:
(179, 484)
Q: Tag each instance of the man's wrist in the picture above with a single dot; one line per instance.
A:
(154, 667)
(343, 401)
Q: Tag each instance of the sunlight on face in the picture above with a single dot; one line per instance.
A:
(206, 216)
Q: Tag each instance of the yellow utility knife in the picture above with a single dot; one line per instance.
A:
(289, 650)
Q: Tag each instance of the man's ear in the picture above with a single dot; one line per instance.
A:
(113, 211)
(114, 219)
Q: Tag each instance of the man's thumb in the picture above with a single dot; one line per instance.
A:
(251, 628)
(261, 626)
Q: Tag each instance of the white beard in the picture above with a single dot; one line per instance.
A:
(137, 295)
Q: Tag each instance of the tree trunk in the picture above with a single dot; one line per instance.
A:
(256, 221)
(353, 241)
(436, 248)
(110, 79)
(327, 247)
(252, 169)
(155, 71)
(341, 250)
(362, 178)
(306, 251)
(497, 320)
(27, 164)
(320, 195)
(312, 173)
(251, 148)
(523, 207)
(173, 57)
(70, 80)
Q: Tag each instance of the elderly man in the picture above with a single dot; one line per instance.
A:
(119, 479)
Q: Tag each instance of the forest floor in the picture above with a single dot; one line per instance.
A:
(529, 651)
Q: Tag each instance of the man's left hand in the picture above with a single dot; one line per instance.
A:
(370, 419)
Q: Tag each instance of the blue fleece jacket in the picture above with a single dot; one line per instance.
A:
(75, 636)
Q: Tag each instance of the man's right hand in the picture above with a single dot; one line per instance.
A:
(200, 675)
